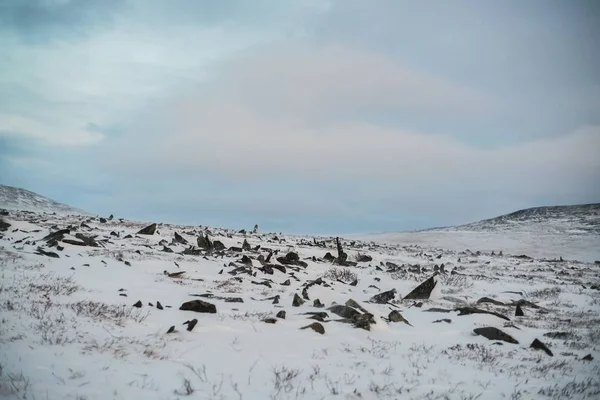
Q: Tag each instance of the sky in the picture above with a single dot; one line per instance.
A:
(302, 116)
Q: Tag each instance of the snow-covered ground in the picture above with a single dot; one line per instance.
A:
(69, 329)
(13, 198)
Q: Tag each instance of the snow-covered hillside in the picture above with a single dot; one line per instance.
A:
(13, 198)
(571, 232)
(95, 309)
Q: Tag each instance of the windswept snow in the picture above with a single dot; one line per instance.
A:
(69, 329)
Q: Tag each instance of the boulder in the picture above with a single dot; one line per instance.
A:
(492, 333)
(149, 230)
(199, 306)
(423, 291)
(315, 326)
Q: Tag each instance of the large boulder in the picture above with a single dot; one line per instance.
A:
(199, 306)
(149, 230)
(423, 291)
(492, 333)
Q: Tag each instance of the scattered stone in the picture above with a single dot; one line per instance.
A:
(246, 246)
(149, 230)
(317, 303)
(171, 329)
(446, 320)
(270, 320)
(383, 297)
(589, 356)
(329, 257)
(204, 242)
(199, 306)
(315, 326)
(73, 242)
(536, 344)
(292, 258)
(286, 283)
(519, 312)
(57, 235)
(281, 314)
(354, 304)
(423, 291)
(158, 305)
(492, 333)
(395, 316)
(89, 241)
(219, 246)
(297, 300)
(4, 225)
(191, 324)
(180, 239)
(354, 282)
(103, 220)
(138, 304)
(364, 258)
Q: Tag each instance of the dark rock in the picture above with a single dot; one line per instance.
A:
(73, 242)
(536, 344)
(138, 304)
(446, 320)
(492, 333)
(320, 315)
(286, 283)
(89, 241)
(317, 303)
(149, 230)
(204, 243)
(270, 320)
(158, 305)
(103, 220)
(354, 304)
(315, 326)
(171, 329)
(383, 297)
(57, 235)
(344, 311)
(281, 314)
(246, 246)
(219, 246)
(363, 321)
(4, 225)
(42, 252)
(199, 306)
(589, 356)
(128, 237)
(490, 300)
(290, 258)
(519, 312)
(329, 257)
(395, 316)
(474, 310)
(354, 282)
(180, 239)
(191, 324)
(166, 249)
(423, 291)
(364, 258)
(297, 300)
(236, 249)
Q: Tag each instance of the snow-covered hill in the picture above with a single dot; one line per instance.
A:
(14, 198)
(96, 308)
(571, 232)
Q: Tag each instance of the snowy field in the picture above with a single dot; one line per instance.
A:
(70, 330)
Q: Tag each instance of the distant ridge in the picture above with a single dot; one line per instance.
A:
(14, 198)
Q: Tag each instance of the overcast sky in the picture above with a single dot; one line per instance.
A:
(304, 116)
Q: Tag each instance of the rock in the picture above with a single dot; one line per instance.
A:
(519, 311)
(281, 314)
(103, 220)
(73, 242)
(57, 235)
(171, 329)
(270, 320)
(166, 249)
(492, 333)
(43, 252)
(344, 311)
(158, 305)
(286, 283)
(354, 282)
(292, 258)
(588, 358)
(363, 321)
(149, 230)
(191, 324)
(204, 242)
(423, 291)
(89, 241)
(354, 304)
(490, 300)
(317, 303)
(536, 344)
(180, 239)
(446, 320)
(475, 310)
(297, 300)
(395, 316)
(383, 297)
(315, 326)
(4, 225)
(364, 258)
(246, 246)
(138, 304)
(219, 246)
(329, 257)
(199, 306)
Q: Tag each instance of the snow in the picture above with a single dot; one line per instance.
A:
(53, 346)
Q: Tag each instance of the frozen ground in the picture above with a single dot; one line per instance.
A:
(69, 329)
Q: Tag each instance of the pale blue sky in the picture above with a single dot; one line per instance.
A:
(305, 116)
